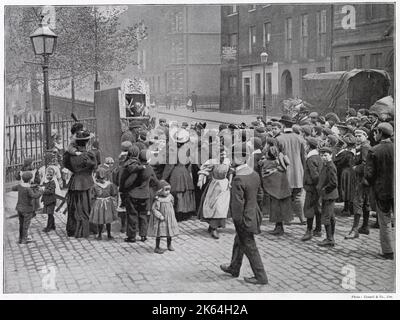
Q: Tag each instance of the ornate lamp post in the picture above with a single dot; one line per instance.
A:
(44, 43)
(264, 60)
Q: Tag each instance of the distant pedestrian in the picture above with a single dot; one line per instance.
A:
(103, 211)
(26, 195)
(327, 190)
(162, 221)
(193, 97)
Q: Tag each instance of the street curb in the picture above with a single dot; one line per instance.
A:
(202, 119)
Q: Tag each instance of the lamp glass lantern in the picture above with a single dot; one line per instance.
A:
(264, 57)
(43, 40)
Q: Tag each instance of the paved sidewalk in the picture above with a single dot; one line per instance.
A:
(211, 116)
(89, 265)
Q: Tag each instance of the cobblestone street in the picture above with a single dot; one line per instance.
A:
(84, 266)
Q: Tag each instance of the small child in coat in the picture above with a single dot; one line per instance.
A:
(312, 207)
(162, 220)
(328, 191)
(103, 210)
(49, 199)
(25, 205)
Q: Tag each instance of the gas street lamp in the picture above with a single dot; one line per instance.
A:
(264, 60)
(44, 44)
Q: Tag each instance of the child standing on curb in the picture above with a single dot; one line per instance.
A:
(327, 190)
(49, 199)
(25, 209)
(162, 220)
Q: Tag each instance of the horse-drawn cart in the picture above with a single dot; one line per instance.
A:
(116, 108)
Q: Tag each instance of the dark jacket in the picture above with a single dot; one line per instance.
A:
(312, 170)
(246, 190)
(128, 174)
(82, 167)
(49, 193)
(146, 178)
(25, 198)
(360, 160)
(328, 183)
(379, 170)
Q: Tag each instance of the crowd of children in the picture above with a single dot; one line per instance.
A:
(327, 158)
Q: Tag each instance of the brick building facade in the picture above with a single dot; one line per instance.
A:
(364, 37)
(182, 49)
(296, 38)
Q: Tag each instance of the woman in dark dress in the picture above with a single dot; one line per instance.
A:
(179, 176)
(79, 187)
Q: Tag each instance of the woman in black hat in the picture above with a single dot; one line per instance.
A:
(79, 187)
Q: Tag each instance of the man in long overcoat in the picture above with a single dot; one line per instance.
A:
(379, 172)
(246, 215)
(293, 145)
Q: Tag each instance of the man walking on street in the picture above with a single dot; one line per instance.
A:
(379, 172)
(193, 97)
(246, 215)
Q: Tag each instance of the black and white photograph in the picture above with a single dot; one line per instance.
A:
(199, 148)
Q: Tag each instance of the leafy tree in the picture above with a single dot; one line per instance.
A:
(90, 44)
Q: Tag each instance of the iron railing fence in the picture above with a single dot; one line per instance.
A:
(25, 138)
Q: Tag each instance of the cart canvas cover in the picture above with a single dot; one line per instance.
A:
(357, 88)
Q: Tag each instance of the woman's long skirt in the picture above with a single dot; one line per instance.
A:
(79, 205)
(214, 223)
(279, 210)
(347, 184)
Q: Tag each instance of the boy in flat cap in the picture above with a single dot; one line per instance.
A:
(312, 205)
(25, 209)
(361, 192)
(327, 190)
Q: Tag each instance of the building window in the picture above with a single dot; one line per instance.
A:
(159, 84)
(372, 11)
(258, 84)
(320, 69)
(233, 40)
(304, 36)
(376, 60)
(232, 9)
(321, 33)
(232, 84)
(252, 7)
(302, 73)
(177, 22)
(288, 38)
(344, 63)
(359, 61)
(266, 34)
(252, 38)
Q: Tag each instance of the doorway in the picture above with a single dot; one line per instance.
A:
(286, 84)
